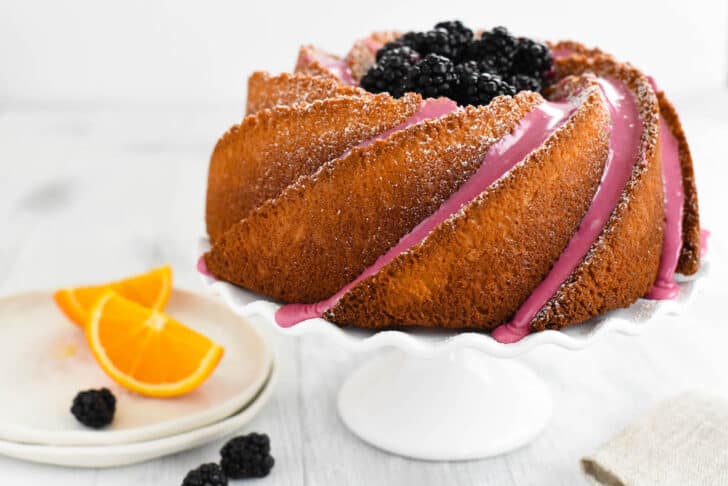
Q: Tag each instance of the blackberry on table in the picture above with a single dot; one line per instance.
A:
(390, 72)
(247, 456)
(94, 408)
(532, 58)
(209, 474)
(481, 88)
(433, 76)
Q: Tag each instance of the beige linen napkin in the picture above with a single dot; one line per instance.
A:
(683, 441)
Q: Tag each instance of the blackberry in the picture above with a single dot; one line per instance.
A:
(390, 46)
(481, 88)
(532, 58)
(494, 51)
(435, 41)
(209, 474)
(459, 36)
(247, 456)
(522, 82)
(390, 71)
(433, 76)
(94, 408)
(413, 40)
(465, 68)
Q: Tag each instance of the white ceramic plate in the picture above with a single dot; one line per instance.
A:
(124, 454)
(424, 342)
(44, 362)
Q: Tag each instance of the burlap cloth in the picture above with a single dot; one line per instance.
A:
(682, 442)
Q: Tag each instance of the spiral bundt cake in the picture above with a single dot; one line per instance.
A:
(446, 179)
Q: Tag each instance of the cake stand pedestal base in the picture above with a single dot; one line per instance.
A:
(452, 406)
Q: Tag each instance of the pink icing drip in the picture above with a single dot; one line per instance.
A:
(502, 156)
(704, 237)
(337, 67)
(372, 45)
(561, 53)
(665, 286)
(623, 143)
(430, 108)
(202, 267)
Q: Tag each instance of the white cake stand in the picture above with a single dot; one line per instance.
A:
(447, 395)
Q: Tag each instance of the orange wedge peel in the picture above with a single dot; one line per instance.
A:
(145, 350)
(150, 289)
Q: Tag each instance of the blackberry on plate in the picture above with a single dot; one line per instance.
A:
(522, 82)
(94, 408)
(481, 88)
(390, 71)
(247, 456)
(433, 76)
(209, 474)
(532, 58)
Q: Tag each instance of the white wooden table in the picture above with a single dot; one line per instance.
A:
(90, 191)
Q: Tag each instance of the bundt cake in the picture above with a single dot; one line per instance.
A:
(455, 180)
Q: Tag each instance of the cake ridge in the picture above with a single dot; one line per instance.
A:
(600, 281)
(570, 304)
(256, 159)
(285, 89)
(446, 147)
(382, 300)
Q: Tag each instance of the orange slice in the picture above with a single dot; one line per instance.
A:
(146, 351)
(149, 289)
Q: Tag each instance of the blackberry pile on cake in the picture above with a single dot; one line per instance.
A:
(454, 179)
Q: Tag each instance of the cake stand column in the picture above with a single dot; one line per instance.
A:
(452, 406)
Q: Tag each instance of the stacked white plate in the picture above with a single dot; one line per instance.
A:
(44, 362)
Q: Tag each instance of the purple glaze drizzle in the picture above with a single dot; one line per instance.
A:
(337, 67)
(429, 109)
(665, 286)
(501, 157)
(623, 143)
(704, 237)
(202, 267)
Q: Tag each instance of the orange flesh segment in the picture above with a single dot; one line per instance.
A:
(147, 351)
(151, 289)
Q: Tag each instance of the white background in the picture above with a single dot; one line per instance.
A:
(108, 114)
(203, 51)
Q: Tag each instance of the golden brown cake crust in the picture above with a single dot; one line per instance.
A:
(321, 232)
(307, 64)
(300, 239)
(256, 160)
(622, 264)
(362, 56)
(476, 269)
(266, 91)
(690, 254)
